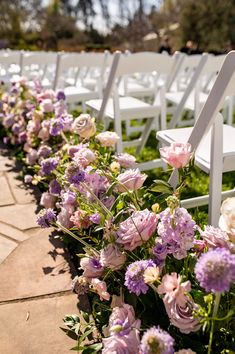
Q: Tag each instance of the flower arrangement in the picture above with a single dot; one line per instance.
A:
(157, 282)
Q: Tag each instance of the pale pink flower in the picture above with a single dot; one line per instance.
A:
(171, 285)
(84, 126)
(111, 257)
(126, 160)
(108, 139)
(80, 219)
(47, 106)
(137, 229)
(47, 200)
(44, 134)
(215, 237)
(227, 218)
(131, 179)
(100, 288)
(176, 155)
(47, 94)
(64, 215)
(84, 157)
(32, 157)
(122, 320)
(92, 267)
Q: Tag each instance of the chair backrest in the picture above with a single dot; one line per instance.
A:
(224, 86)
(8, 57)
(77, 61)
(144, 62)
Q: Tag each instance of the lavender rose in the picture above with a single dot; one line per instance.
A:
(131, 179)
(111, 257)
(92, 267)
(137, 229)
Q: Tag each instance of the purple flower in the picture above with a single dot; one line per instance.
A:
(215, 270)
(46, 217)
(126, 160)
(48, 165)
(74, 174)
(22, 137)
(60, 95)
(44, 151)
(95, 218)
(54, 187)
(122, 320)
(56, 126)
(177, 231)
(16, 128)
(28, 178)
(155, 340)
(134, 277)
(68, 198)
(92, 267)
(215, 237)
(160, 252)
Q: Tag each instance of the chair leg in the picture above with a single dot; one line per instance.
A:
(216, 171)
(145, 134)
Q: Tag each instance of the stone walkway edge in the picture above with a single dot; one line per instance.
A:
(35, 273)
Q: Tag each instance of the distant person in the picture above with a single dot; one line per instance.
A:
(190, 48)
(165, 45)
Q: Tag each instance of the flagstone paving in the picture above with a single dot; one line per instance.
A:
(35, 274)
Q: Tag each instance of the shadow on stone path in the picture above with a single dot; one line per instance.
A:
(35, 273)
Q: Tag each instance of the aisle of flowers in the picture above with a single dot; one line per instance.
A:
(157, 282)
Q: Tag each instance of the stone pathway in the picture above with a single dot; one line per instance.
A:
(35, 275)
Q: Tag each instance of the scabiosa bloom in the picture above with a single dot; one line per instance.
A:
(155, 340)
(177, 231)
(74, 174)
(60, 95)
(48, 165)
(134, 277)
(46, 217)
(215, 270)
(54, 187)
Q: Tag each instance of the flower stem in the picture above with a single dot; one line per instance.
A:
(215, 310)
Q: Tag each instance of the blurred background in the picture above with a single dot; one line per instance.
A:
(75, 25)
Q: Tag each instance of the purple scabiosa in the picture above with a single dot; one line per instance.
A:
(177, 231)
(155, 340)
(60, 95)
(48, 165)
(74, 174)
(46, 217)
(215, 270)
(54, 187)
(134, 277)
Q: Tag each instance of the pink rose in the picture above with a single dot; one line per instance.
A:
(64, 215)
(111, 257)
(80, 219)
(131, 179)
(100, 288)
(108, 139)
(44, 134)
(84, 126)
(47, 106)
(227, 218)
(126, 160)
(47, 200)
(137, 229)
(177, 154)
(47, 94)
(92, 267)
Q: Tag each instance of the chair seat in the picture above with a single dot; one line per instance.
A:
(175, 97)
(130, 108)
(202, 157)
(136, 89)
(78, 94)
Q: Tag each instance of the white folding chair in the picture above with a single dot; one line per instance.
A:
(196, 92)
(213, 141)
(75, 63)
(9, 64)
(128, 108)
(39, 66)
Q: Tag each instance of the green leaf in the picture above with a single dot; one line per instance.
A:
(93, 348)
(85, 315)
(111, 188)
(161, 187)
(86, 334)
(70, 333)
